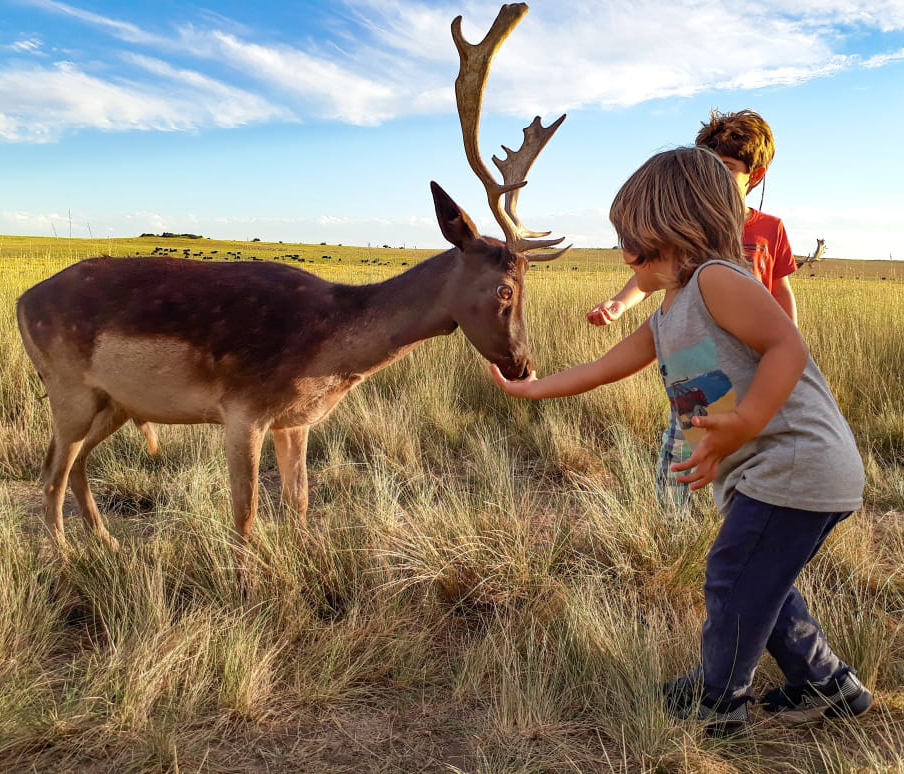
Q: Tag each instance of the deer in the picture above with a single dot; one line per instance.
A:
(817, 254)
(270, 347)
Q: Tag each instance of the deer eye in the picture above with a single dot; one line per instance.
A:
(504, 292)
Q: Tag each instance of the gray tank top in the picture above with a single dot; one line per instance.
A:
(804, 458)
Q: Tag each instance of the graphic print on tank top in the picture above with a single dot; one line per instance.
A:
(696, 386)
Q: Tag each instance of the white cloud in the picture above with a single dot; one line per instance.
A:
(850, 231)
(29, 46)
(331, 229)
(396, 58)
(880, 60)
(332, 220)
(579, 53)
(38, 222)
(38, 103)
(122, 30)
(227, 105)
(788, 75)
(884, 15)
(567, 54)
(334, 91)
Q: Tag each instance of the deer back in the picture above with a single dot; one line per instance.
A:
(253, 327)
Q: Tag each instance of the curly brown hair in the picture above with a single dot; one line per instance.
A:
(744, 135)
(681, 203)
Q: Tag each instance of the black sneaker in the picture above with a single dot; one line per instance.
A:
(841, 696)
(684, 699)
(682, 695)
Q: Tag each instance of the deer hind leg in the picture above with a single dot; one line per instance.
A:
(72, 417)
(105, 423)
(291, 446)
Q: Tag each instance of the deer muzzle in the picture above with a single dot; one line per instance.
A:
(516, 369)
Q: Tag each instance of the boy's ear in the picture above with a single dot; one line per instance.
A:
(756, 177)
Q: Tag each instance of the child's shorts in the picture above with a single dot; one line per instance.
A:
(671, 493)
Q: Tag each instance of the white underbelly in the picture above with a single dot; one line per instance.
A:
(155, 379)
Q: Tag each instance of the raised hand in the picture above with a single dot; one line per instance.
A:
(606, 312)
(725, 434)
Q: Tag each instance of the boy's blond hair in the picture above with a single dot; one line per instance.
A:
(681, 203)
(744, 135)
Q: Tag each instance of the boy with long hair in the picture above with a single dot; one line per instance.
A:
(763, 427)
(744, 143)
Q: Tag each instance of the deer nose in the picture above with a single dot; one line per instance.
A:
(520, 368)
(515, 368)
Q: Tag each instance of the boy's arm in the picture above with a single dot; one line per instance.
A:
(630, 355)
(608, 311)
(783, 267)
(783, 293)
(749, 313)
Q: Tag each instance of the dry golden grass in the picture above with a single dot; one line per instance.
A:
(487, 586)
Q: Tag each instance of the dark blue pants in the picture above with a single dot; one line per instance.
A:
(751, 602)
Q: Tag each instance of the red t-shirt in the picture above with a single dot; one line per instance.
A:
(766, 247)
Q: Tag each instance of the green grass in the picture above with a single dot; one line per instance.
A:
(487, 585)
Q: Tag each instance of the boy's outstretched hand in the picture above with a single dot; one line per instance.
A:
(606, 312)
(517, 388)
(725, 434)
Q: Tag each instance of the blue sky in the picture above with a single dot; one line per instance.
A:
(325, 121)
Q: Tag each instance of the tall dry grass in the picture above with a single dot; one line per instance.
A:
(486, 585)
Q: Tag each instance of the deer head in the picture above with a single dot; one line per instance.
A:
(485, 297)
(494, 269)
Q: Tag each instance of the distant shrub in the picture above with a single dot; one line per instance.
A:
(171, 235)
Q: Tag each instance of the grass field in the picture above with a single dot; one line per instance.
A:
(358, 262)
(487, 585)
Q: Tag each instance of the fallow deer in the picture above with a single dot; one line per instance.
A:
(271, 347)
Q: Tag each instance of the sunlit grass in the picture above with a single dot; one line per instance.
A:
(487, 585)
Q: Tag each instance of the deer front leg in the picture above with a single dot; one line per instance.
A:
(243, 451)
(291, 445)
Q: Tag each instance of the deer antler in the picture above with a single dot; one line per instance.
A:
(469, 88)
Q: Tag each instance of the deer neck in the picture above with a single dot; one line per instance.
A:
(392, 317)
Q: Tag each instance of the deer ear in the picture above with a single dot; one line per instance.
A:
(454, 222)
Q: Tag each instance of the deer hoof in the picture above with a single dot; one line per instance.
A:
(109, 541)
